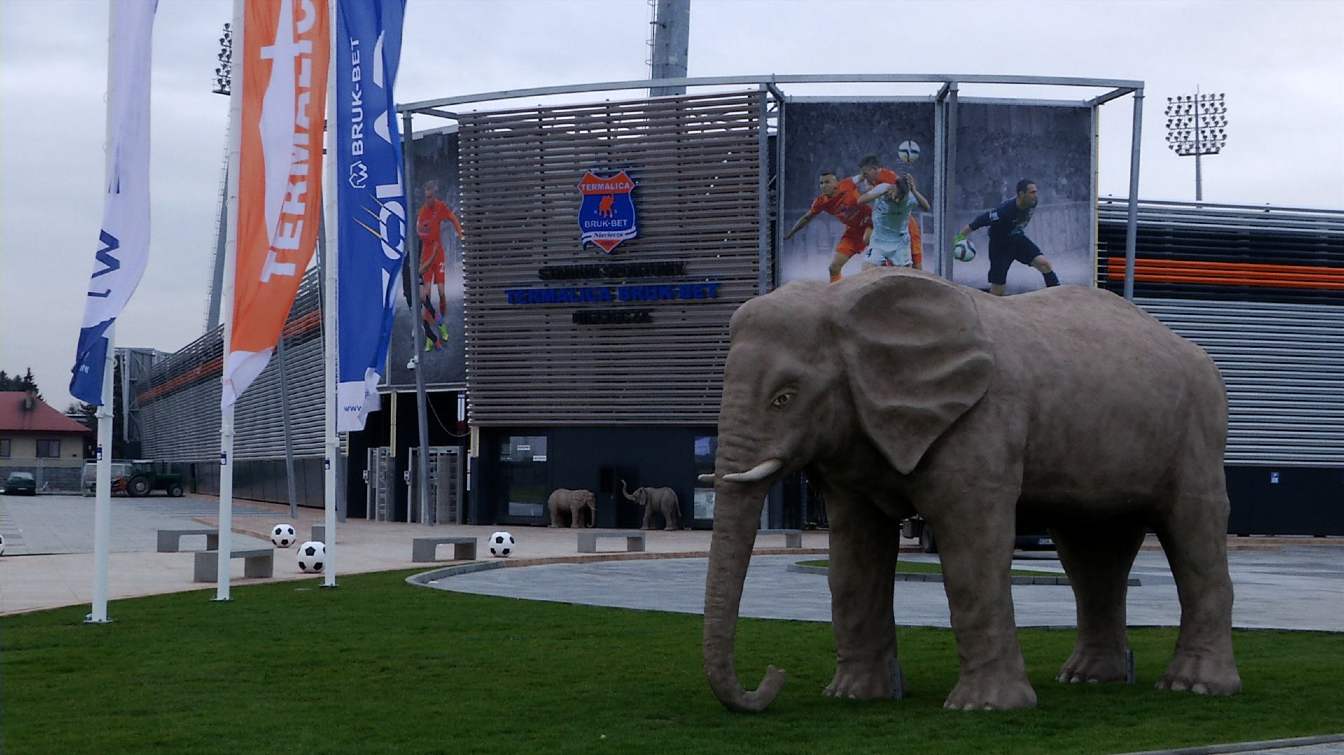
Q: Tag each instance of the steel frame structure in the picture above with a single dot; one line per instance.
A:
(945, 99)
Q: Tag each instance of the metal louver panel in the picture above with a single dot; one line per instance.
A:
(1283, 364)
(697, 161)
(179, 403)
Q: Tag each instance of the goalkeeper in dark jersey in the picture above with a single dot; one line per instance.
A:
(1008, 239)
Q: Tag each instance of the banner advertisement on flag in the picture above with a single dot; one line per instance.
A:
(286, 49)
(370, 197)
(123, 240)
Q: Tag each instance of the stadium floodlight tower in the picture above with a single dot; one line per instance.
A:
(224, 72)
(1197, 125)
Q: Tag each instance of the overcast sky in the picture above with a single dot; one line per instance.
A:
(1281, 64)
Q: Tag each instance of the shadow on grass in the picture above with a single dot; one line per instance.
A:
(379, 666)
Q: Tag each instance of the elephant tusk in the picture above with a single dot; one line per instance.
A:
(706, 479)
(756, 473)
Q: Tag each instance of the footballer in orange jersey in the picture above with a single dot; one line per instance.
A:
(840, 198)
(429, 222)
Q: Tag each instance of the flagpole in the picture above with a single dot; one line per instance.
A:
(102, 507)
(226, 311)
(330, 255)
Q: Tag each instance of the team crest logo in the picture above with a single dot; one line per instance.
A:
(607, 214)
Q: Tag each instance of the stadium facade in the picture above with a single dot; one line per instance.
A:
(571, 366)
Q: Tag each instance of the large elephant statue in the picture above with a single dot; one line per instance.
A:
(901, 393)
(564, 501)
(661, 501)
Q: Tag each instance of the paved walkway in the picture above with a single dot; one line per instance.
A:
(1291, 588)
(50, 563)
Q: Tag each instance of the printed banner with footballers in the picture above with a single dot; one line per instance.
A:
(843, 162)
(859, 190)
(371, 199)
(286, 52)
(1051, 222)
(123, 240)
(437, 333)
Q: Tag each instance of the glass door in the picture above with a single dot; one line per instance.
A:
(706, 446)
(525, 479)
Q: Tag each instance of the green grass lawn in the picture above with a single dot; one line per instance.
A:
(377, 666)
(921, 567)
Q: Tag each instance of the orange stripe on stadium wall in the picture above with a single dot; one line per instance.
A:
(1229, 273)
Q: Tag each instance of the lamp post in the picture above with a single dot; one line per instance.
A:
(1197, 125)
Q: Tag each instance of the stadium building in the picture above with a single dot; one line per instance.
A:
(551, 363)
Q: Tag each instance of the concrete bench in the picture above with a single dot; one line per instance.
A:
(588, 541)
(792, 538)
(423, 548)
(256, 563)
(170, 541)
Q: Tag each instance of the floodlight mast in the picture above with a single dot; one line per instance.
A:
(1197, 125)
(224, 72)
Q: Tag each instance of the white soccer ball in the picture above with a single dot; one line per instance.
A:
(312, 554)
(2, 545)
(283, 535)
(964, 250)
(908, 151)
(501, 545)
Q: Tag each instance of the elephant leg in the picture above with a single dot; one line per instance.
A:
(575, 517)
(1097, 559)
(862, 578)
(670, 517)
(1194, 536)
(648, 518)
(975, 543)
(555, 515)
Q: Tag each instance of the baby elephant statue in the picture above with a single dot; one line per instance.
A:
(656, 501)
(901, 393)
(572, 502)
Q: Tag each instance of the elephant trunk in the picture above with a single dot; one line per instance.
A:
(737, 512)
(625, 492)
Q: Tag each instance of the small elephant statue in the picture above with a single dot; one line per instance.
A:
(656, 501)
(572, 502)
(900, 393)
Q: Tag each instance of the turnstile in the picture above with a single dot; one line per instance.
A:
(379, 478)
(446, 494)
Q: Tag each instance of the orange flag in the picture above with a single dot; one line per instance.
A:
(286, 51)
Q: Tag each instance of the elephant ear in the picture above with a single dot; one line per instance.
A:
(916, 357)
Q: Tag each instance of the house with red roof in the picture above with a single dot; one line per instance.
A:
(35, 437)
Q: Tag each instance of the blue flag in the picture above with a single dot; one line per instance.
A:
(371, 199)
(123, 241)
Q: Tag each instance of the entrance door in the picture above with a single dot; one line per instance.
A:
(524, 479)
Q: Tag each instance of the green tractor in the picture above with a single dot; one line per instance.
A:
(137, 478)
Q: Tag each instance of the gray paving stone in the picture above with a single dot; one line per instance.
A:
(1288, 588)
(64, 523)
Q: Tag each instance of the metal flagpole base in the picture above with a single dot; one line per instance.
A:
(329, 587)
(88, 619)
(221, 600)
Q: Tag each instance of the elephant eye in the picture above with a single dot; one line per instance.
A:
(782, 400)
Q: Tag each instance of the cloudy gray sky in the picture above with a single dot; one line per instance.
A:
(1281, 64)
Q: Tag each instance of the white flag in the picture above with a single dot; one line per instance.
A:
(123, 240)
